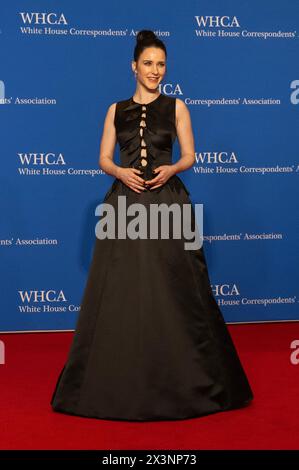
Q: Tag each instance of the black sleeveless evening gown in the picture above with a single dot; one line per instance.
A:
(150, 341)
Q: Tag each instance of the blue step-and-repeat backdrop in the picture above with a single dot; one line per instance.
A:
(235, 65)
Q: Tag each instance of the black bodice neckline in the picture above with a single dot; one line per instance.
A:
(146, 104)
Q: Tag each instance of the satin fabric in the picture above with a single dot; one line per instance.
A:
(150, 341)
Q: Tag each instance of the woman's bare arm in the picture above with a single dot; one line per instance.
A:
(108, 142)
(185, 137)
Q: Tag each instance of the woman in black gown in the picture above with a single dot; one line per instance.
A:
(150, 341)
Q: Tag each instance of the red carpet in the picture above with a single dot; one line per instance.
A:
(34, 360)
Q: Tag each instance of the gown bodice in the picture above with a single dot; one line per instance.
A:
(145, 133)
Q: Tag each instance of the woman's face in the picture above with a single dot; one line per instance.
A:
(150, 67)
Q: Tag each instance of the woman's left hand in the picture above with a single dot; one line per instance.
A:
(164, 172)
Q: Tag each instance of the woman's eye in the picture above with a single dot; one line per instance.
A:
(148, 63)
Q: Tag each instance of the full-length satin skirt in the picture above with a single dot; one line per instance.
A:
(150, 341)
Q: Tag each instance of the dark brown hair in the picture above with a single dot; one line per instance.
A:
(146, 38)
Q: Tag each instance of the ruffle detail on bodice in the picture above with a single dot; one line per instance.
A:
(158, 136)
(158, 133)
(132, 145)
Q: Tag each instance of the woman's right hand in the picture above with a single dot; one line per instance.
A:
(129, 176)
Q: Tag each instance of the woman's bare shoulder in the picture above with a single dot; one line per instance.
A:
(181, 110)
(180, 104)
(110, 114)
(111, 107)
